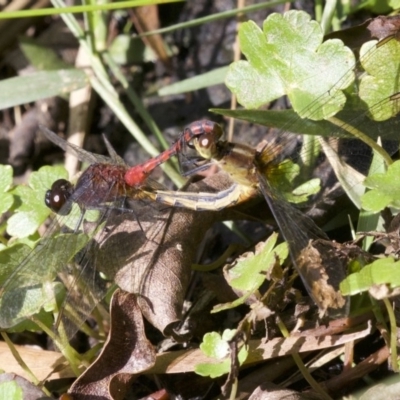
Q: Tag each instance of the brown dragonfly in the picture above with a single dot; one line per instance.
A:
(270, 171)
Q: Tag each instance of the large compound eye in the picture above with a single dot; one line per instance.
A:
(58, 196)
(205, 141)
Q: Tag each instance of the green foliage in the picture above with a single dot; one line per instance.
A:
(11, 391)
(32, 287)
(216, 346)
(282, 178)
(249, 273)
(385, 190)
(6, 198)
(385, 271)
(30, 209)
(10, 257)
(41, 57)
(29, 212)
(125, 50)
(207, 79)
(279, 62)
(276, 67)
(381, 6)
(24, 89)
(382, 78)
(395, 4)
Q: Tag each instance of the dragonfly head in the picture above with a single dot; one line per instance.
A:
(58, 196)
(206, 143)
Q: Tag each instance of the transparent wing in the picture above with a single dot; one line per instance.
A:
(62, 266)
(79, 153)
(320, 279)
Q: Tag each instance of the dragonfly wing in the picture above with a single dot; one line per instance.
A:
(78, 152)
(321, 279)
(59, 270)
(30, 286)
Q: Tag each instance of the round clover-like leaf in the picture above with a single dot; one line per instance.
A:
(284, 58)
(385, 190)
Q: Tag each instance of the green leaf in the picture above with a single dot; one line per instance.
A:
(40, 85)
(303, 192)
(6, 199)
(45, 317)
(29, 277)
(383, 79)
(28, 302)
(384, 271)
(249, 274)
(41, 57)
(289, 120)
(395, 4)
(31, 210)
(213, 370)
(10, 257)
(282, 59)
(127, 50)
(282, 178)
(11, 391)
(201, 81)
(216, 346)
(385, 190)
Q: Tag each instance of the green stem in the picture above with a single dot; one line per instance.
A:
(393, 334)
(303, 369)
(84, 8)
(216, 17)
(234, 389)
(134, 98)
(67, 351)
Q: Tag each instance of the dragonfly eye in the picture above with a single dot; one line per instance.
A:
(58, 195)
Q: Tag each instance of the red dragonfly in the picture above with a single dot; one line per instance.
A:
(138, 174)
(98, 214)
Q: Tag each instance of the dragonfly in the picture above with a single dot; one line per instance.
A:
(119, 186)
(104, 228)
(267, 170)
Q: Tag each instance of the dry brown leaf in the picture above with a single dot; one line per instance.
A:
(186, 360)
(43, 363)
(376, 28)
(382, 27)
(356, 373)
(127, 352)
(157, 265)
(146, 19)
(314, 261)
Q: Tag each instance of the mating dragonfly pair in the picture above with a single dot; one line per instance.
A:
(109, 187)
